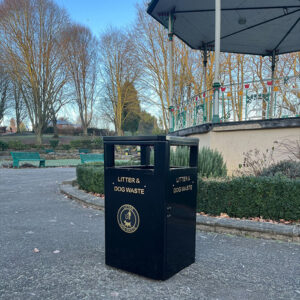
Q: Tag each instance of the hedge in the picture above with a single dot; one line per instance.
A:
(96, 143)
(274, 197)
(287, 168)
(3, 145)
(90, 177)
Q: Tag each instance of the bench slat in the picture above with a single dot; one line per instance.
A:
(93, 157)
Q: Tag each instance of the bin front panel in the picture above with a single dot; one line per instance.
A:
(181, 219)
(134, 221)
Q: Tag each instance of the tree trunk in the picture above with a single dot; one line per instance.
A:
(85, 130)
(38, 130)
(2, 102)
(54, 123)
(119, 132)
(39, 139)
(18, 121)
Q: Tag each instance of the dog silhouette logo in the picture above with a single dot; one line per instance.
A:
(128, 218)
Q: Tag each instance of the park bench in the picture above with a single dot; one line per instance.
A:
(47, 151)
(26, 156)
(91, 157)
(84, 151)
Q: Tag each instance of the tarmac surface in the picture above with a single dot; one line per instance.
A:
(70, 262)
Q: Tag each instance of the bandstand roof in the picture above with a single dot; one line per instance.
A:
(247, 26)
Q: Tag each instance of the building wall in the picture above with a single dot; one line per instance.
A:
(232, 144)
(232, 140)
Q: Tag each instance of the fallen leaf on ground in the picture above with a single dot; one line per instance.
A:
(36, 250)
(224, 215)
(56, 251)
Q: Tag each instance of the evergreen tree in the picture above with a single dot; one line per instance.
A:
(132, 110)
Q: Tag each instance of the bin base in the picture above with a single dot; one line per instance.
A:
(149, 275)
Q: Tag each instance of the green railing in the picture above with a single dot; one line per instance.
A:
(241, 102)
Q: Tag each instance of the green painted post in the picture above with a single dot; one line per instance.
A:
(228, 108)
(204, 110)
(246, 108)
(215, 110)
(223, 116)
(275, 104)
(268, 106)
(171, 114)
(195, 114)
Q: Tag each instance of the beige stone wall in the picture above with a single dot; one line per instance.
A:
(233, 141)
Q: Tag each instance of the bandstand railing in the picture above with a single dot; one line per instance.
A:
(240, 102)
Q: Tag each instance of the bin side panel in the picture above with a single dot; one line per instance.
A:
(181, 220)
(134, 224)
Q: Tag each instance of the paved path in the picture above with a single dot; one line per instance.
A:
(34, 215)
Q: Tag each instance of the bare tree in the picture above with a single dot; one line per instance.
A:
(152, 46)
(30, 31)
(289, 148)
(80, 50)
(18, 105)
(119, 71)
(4, 85)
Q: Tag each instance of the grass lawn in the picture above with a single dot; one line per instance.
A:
(49, 162)
(54, 162)
(30, 138)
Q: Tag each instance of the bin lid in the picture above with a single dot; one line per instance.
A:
(136, 140)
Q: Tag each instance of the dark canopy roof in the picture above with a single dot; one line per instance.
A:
(247, 26)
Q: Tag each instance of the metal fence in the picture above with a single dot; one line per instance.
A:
(241, 102)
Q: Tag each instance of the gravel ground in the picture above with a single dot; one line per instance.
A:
(70, 261)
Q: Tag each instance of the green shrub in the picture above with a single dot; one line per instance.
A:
(81, 144)
(3, 145)
(90, 177)
(180, 157)
(35, 146)
(54, 143)
(17, 145)
(65, 147)
(210, 163)
(290, 169)
(98, 143)
(270, 197)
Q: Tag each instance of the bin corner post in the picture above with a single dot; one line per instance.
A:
(109, 155)
(161, 158)
(194, 156)
(145, 155)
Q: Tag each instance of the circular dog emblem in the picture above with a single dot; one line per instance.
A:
(128, 218)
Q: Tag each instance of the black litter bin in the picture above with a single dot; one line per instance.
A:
(150, 210)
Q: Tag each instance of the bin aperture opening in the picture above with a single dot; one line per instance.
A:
(141, 156)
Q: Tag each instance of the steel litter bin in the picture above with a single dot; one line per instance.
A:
(150, 210)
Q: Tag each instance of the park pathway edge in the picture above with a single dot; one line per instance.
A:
(287, 233)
